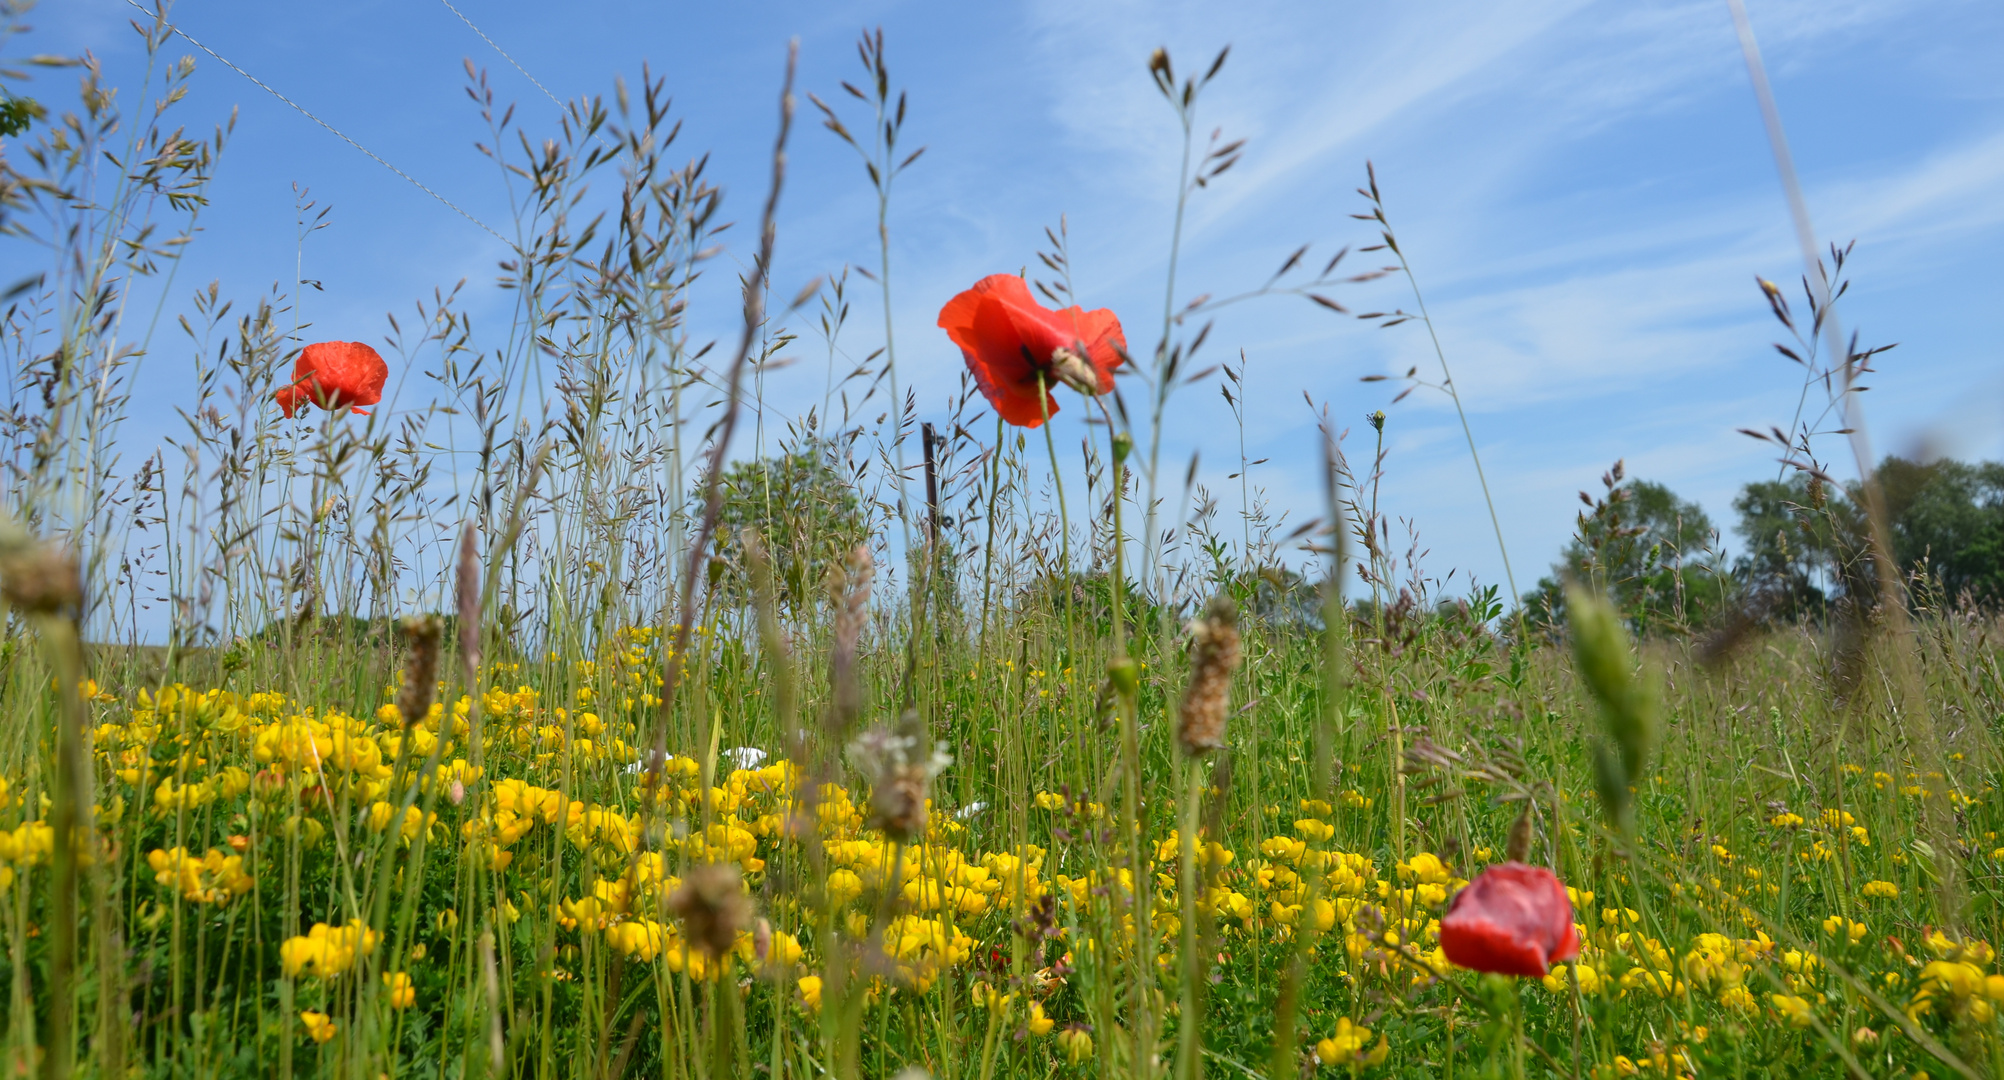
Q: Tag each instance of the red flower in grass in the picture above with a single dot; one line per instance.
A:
(335, 373)
(1010, 340)
(1512, 919)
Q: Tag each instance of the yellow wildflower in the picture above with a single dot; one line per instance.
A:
(318, 1024)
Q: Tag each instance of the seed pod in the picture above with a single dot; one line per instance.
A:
(1074, 371)
(713, 906)
(1214, 656)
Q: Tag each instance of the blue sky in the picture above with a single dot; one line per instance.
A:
(1583, 188)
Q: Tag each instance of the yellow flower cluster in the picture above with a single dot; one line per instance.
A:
(319, 1025)
(1955, 983)
(382, 815)
(25, 845)
(1347, 1046)
(211, 878)
(327, 951)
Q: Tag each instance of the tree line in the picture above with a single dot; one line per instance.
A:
(1803, 546)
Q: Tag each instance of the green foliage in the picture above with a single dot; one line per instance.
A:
(805, 512)
(17, 113)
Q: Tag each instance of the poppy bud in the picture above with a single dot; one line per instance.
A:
(1123, 445)
(1125, 675)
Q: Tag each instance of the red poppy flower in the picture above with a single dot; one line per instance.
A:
(1010, 340)
(335, 373)
(1512, 919)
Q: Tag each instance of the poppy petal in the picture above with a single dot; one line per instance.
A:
(1009, 340)
(1005, 373)
(1512, 919)
(334, 374)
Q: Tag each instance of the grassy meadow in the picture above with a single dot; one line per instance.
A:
(514, 729)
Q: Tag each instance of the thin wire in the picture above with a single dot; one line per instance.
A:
(377, 158)
(504, 53)
(512, 62)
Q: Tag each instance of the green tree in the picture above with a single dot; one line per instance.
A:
(1653, 552)
(1806, 541)
(1801, 540)
(805, 511)
(1947, 520)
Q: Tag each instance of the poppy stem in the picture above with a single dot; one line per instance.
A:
(988, 560)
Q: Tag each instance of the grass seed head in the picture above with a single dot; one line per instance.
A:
(41, 579)
(900, 775)
(1627, 700)
(420, 669)
(712, 904)
(1518, 847)
(466, 596)
(1214, 656)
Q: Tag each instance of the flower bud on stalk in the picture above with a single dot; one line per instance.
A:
(1124, 675)
(1214, 655)
(1123, 445)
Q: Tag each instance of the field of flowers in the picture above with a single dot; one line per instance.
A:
(648, 762)
(503, 883)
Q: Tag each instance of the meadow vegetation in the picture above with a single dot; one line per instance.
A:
(513, 729)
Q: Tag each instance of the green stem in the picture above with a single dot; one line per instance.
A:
(1189, 1057)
